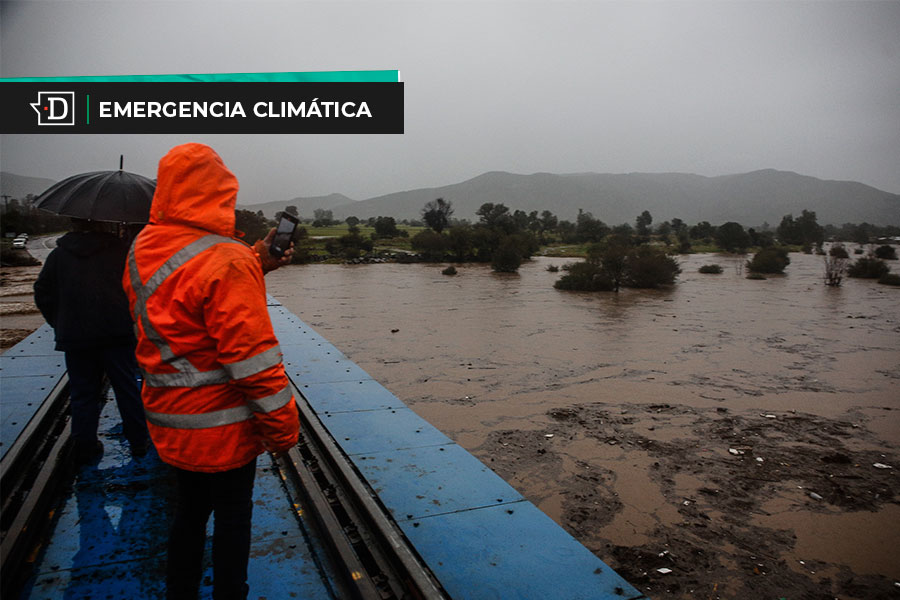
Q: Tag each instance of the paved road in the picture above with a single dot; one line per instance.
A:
(40, 247)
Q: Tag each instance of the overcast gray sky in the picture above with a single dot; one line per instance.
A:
(702, 87)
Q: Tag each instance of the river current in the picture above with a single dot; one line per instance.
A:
(653, 392)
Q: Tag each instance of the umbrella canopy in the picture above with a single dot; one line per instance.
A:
(111, 196)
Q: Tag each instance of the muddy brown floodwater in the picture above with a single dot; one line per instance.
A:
(725, 429)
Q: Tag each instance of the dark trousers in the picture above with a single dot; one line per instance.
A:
(86, 368)
(228, 495)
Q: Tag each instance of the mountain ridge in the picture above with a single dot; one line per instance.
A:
(751, 198)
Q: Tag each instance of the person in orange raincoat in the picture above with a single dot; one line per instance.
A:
(215, 391)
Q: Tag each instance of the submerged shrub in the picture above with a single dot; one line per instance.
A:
(714, 269)
(886, 252)
(649, 267)
(507, 258)
(756, 276)
(835, 267)
(585, 277)
(616, 263)
(769, 260)
(838, 251)
(451, 270)
(890, 279)
(868, 267)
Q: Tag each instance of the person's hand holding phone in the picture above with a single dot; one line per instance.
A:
(269, 262)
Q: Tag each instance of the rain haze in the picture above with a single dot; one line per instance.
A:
(703, 87)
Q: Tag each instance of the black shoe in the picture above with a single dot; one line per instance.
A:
(88, 452)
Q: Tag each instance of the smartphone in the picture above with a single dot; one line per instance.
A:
(283, 235)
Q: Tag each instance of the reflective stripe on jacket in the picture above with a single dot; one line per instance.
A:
(215, 391)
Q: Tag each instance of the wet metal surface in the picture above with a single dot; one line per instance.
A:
(111, 531)
(521, 553)
(423, 482)
(28, 372)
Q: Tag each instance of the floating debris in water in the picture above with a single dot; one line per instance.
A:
(882, 466)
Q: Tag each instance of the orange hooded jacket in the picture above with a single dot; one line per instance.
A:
(215, 392)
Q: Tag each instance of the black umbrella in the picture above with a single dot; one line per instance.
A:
(111, 196)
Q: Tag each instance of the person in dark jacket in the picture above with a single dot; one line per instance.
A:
(79, 292)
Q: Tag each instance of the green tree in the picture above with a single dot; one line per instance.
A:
(254, 226)
(430, 244)
(507, 257)
(436, 214)
(804, 231)
(549, 221)
(625, 229)
(684, 242)
(664, 230)
(496, 216)
(459, 242)
(731, 237)
(353, 244)
(703, 231)
(302, 247)
(386, 227)
(520, 220)
(862, 233)
(761, 238)
(642, 224)
(611, 257)
(352, 221)
(589, 229)
(773, 259)
(322, 217)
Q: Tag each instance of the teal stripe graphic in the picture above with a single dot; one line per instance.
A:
(288, 77)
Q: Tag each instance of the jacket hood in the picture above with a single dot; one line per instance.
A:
(87, 243)
(195, 188)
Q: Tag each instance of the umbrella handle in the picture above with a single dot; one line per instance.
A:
(121, 161)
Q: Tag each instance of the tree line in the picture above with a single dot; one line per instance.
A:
(637, 255)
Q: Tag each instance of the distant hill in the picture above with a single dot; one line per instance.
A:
(749, 198)
(19, 186)
(305, 206)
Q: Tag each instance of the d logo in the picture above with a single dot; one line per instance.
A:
(55, 108)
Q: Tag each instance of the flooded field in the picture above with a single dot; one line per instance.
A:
(744, 435)
(726, 429)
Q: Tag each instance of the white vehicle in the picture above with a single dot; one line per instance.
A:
(19, 243)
